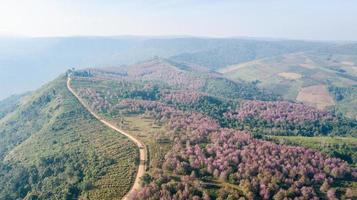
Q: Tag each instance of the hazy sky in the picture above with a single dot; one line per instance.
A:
(303, 19)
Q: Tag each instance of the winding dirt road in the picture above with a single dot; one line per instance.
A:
(141, 146)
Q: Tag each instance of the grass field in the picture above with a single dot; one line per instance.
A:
(153, 135)
(312, 141)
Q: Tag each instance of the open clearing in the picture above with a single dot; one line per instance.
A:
(316, 95)
(311, 142)
(290, 75)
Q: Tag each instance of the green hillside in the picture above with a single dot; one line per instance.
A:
(9, 104)
(51, 148)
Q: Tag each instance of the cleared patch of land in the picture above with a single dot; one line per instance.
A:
(290, 75)
(316, 95)
(154, 135)
(323, 140)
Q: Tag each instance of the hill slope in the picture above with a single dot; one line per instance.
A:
(316, 78)
(231, 51)
(51, 148)
(174, 75)
(9, 105)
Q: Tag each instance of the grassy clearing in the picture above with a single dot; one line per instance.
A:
(312, 141)
(153, 135)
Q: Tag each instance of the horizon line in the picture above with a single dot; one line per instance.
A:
(178, 36)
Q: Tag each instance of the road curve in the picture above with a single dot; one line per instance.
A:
(139, 144)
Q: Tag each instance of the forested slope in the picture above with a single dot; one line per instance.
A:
(9, 105)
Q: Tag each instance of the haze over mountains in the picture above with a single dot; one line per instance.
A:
(27, 63)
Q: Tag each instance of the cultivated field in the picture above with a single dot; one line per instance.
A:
(316, 95)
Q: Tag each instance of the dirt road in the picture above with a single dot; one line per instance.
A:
(141, 146)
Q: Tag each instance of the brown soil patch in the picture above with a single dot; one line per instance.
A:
(316, 95)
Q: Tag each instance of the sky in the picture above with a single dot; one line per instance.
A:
(295, 19)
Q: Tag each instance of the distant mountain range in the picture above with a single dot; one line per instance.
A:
(27, 63)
